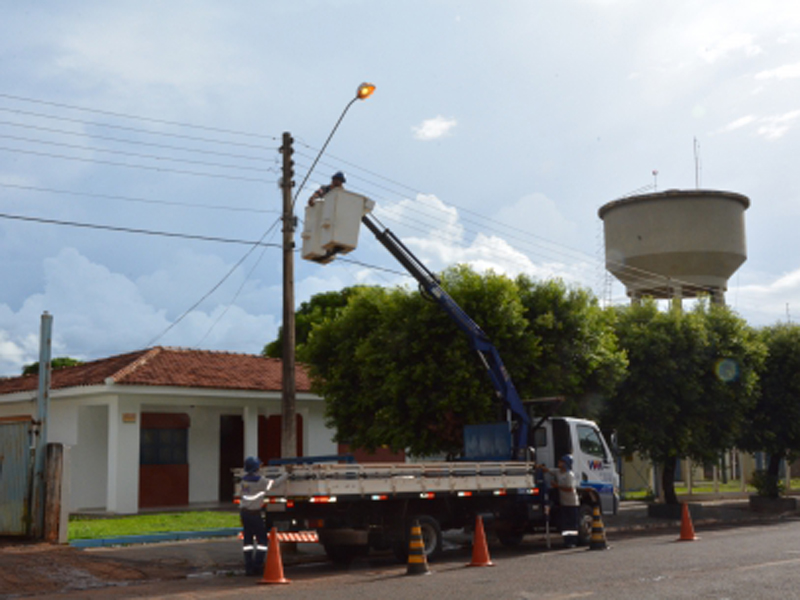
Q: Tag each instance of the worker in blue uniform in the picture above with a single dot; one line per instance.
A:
(337, 181)
(251, 497)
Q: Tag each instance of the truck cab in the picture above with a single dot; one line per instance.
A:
(593, 462)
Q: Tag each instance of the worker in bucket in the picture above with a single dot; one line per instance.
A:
(337, 181)
(253, 490)
(569, 504)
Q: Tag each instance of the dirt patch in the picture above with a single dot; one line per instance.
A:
(37, 568)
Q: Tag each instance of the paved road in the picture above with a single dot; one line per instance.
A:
(755, 560)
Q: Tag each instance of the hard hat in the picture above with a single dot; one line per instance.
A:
(252, 464)
(567, 458)
(340, 176)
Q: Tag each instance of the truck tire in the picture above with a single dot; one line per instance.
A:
(510, 538)
(585, 521)
(431, 539)
(343, 555)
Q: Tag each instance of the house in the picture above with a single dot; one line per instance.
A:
(164, 426)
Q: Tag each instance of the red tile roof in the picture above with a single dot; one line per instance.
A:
(171, 367)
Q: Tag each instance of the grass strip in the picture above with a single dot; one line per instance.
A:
(83, 527)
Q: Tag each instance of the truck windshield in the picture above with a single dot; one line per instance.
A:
(590, 442)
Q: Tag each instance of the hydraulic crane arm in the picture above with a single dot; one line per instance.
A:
(501, 380)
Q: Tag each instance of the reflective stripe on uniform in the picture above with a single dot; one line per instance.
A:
(257, 496)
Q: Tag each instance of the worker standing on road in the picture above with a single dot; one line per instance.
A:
(337, 181)
(253, 490)
(566, 484)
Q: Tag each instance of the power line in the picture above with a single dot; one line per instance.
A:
(137, 129)
(107, 138)
(30, 188)
(135, 117)
(185, 236)
(136, 166)
(216, 286)
(133, 154)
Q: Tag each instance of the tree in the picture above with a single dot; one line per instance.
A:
(691, 379)
(56, 363)
(577, 355)
(774, 421)
(396, 370)
(320, 307)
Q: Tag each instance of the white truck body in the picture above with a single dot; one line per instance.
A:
(356, 506)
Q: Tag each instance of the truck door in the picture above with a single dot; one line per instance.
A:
(594, 466)
(562, 440)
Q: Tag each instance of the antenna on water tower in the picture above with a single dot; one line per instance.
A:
(696, 164)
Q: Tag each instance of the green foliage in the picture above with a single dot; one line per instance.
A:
(576, 347)
(319, 308)
(396, 371)
(766, 484)
(99, 528)
(692, 377)
(775, 419)
(56, 363)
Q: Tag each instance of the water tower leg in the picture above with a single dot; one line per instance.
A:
(718, 296)
(677, 297)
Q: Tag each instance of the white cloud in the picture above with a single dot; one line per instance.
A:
(766, 303)
(727, 44)
(777, 126)
(737, 124)
(98, 313)
(432, 129)
(782, 72)
(445, 239)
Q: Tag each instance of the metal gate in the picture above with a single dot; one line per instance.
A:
(15, 476)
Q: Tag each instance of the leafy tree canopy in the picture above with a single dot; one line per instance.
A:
(56, 363)
(774, 421)
(396, 370)
(692, 377)
(320, 307)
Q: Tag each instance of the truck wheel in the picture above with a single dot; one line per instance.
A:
(585, 521)
(510, 537)
(343, 555)
(431, 539)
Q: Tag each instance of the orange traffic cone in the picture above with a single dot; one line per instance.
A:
(687, 529)
(273, 567)
(417, 562)
(480, 550)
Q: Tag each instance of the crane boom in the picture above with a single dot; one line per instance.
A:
(480, 342)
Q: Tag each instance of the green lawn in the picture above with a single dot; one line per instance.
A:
(82, 527)
(702, 487)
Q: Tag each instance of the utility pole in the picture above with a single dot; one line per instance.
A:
(288, 389)
(42, 416)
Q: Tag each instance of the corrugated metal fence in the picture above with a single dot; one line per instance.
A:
(15, 476)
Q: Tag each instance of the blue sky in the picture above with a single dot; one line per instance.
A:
(496, 132)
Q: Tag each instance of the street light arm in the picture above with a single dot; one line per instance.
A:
(322, 151)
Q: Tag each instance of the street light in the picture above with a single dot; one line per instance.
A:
(288, 388)
(363, 92)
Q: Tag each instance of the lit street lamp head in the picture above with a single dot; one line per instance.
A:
(365, 90)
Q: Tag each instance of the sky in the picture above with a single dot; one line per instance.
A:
(139, 150)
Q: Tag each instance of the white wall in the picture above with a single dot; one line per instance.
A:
(89, 460)
(318, 438)
(204, 454)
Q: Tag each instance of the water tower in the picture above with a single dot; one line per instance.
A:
(675, 244)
